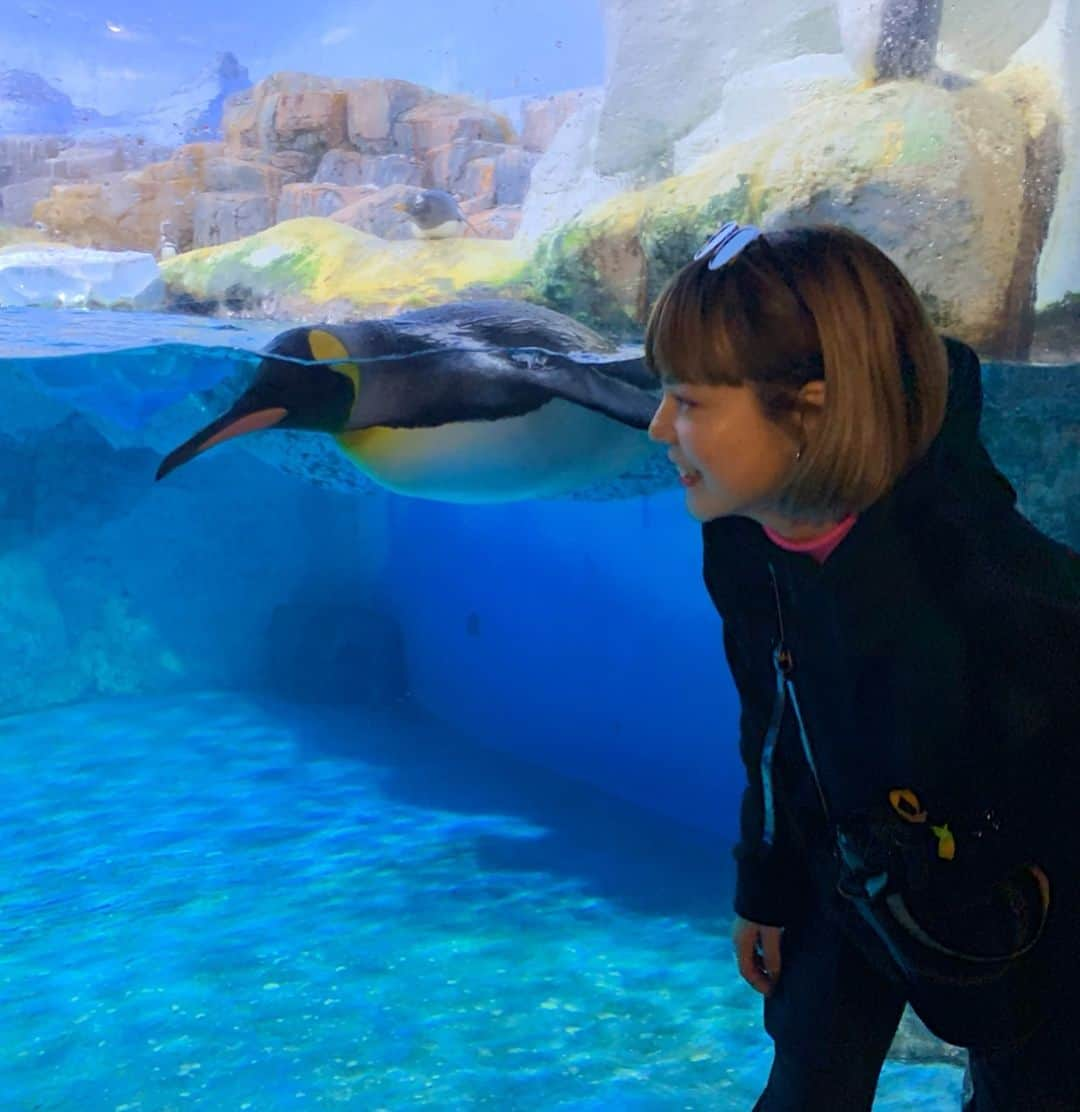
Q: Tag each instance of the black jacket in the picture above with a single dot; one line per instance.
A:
(937, 649)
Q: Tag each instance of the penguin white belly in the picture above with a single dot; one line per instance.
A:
(448, 229)
(555, 449)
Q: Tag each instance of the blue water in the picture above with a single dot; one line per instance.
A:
(226, 903)
(218, 900)
(29, 332)
(126, 367)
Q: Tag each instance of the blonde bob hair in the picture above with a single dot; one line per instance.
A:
(805, 304)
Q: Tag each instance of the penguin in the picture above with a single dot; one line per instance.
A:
(471, 402)
(435, 214)
(166, 244)
(885, 40)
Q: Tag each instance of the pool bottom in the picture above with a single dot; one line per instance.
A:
(222, 903)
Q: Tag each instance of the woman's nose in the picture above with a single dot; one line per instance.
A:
(660, 425)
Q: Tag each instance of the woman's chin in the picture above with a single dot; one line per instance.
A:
(700, 505)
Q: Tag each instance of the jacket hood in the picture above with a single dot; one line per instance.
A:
(957, 461)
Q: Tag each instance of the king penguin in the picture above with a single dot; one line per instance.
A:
(474, 401)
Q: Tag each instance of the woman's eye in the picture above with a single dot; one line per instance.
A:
(683, 402)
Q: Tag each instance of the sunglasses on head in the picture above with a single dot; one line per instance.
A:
(725, 244)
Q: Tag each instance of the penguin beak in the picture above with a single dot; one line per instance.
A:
(238, 421)
(287, 392)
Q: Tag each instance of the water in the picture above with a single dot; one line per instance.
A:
(30, 333)
(214, 900)
(127, 367)
(223, 903)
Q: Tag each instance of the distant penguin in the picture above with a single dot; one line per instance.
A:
(884, 40)
(481, 401)
(166, 245)
(435, 214)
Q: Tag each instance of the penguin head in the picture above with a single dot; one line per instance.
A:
(428, 208)
(305, 381)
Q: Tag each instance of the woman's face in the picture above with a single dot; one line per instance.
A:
(731, 459)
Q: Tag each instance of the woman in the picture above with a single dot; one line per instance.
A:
(906, 649)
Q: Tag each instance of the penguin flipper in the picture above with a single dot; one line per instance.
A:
(611, 387)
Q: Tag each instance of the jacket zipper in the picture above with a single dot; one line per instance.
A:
(783, 666)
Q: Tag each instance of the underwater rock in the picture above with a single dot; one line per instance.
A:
(120, 652)
(69, 277)
(37, 669)
(941, 180)
(44, 493)
(312, 267)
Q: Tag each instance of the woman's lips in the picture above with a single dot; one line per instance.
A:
(687, 475)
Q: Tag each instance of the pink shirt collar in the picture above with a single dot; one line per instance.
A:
(818, 547)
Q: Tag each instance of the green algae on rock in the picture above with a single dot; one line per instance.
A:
(939, 177)
(313, 266)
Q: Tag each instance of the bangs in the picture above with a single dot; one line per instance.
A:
(697, 331)
(725, 327)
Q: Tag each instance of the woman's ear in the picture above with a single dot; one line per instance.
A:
(812, 395)
(810, 405)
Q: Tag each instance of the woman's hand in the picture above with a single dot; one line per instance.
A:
(757, 950)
